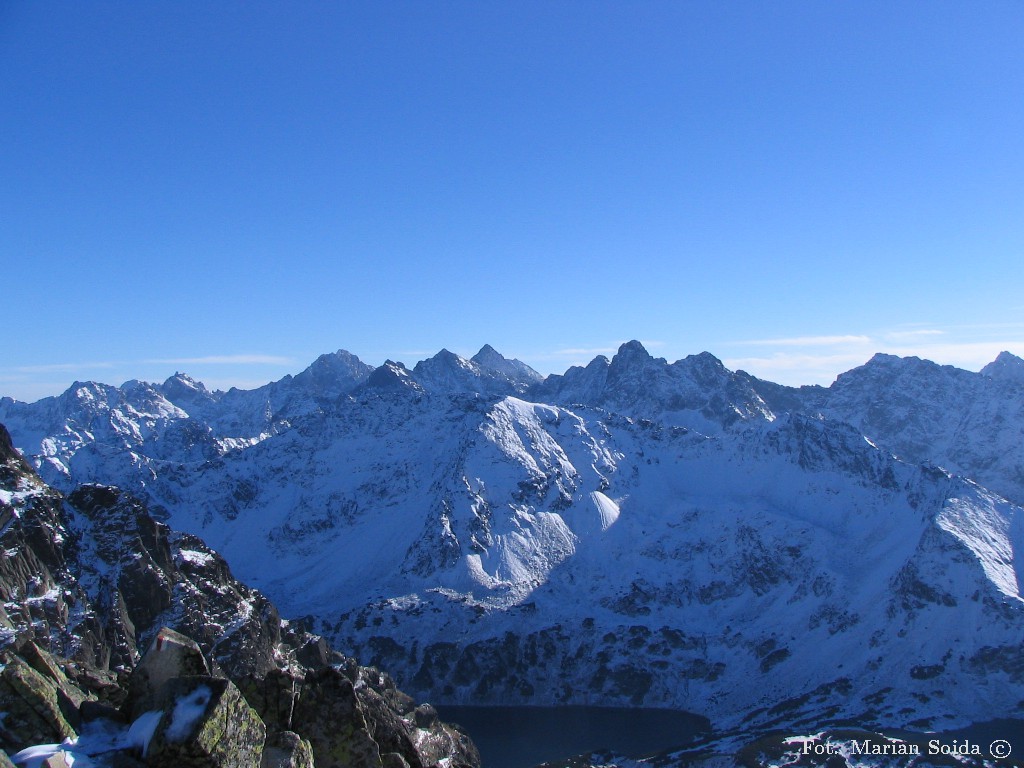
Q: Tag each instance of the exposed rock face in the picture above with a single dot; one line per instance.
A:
(92, 577)
(34, 707)
(205, 724)
(968, 423)
(287, 750)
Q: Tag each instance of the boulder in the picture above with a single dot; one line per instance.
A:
(31, 705)
(328, 714)
(170, 655)
(287, 750)
(426, 716)
(205, 724)
(5, 761)
(69, 697)
(274, 697)
(325, 708)
(106, 686)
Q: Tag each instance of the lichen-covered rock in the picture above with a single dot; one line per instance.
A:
(287, 750)
(205, 724)
(42, 662)
(31, 707)
(274, 697)
(5, 761)
(69, 697)
(328, 714)
(109, 687)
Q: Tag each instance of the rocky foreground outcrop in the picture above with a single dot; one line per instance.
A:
(90, 579)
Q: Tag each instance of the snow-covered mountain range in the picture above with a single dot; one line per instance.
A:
(631, 532)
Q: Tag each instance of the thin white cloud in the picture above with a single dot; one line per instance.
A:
(923, 333)
(57, 367)
(1018, 326)
(797, 369)
(610, 349)
(225, 360)
(804, 341)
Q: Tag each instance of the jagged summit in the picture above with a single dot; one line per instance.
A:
(334, 373)
(392, 376)
(516, 370)
(447, 358)
(487, 373)
(1006, 367)
(697, 391)
(447, 372)
(184, 380)
(704, 360)
(632, 350)
(487, 355)
(183, 388)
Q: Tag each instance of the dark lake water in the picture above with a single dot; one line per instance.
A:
(521, 737)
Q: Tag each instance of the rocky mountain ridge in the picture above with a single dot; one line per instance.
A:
(635, 532)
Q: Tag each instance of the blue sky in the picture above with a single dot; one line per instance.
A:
(232, 189)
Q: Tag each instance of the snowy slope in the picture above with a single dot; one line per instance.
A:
(968, 423)
(684, 567)
(633, 532)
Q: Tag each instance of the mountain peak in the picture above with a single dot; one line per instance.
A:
(443, 362)
(334, 373)
(706, 360)
(883, 358)
(448, 356)
(516, 370)
(392, 376)
(632, 356)
(1006, 367)
(487, 351)
(181, 381)
(633, 347)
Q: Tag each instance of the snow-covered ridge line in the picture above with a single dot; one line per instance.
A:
(633, 532)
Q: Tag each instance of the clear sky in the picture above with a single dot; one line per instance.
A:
(231, 189)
